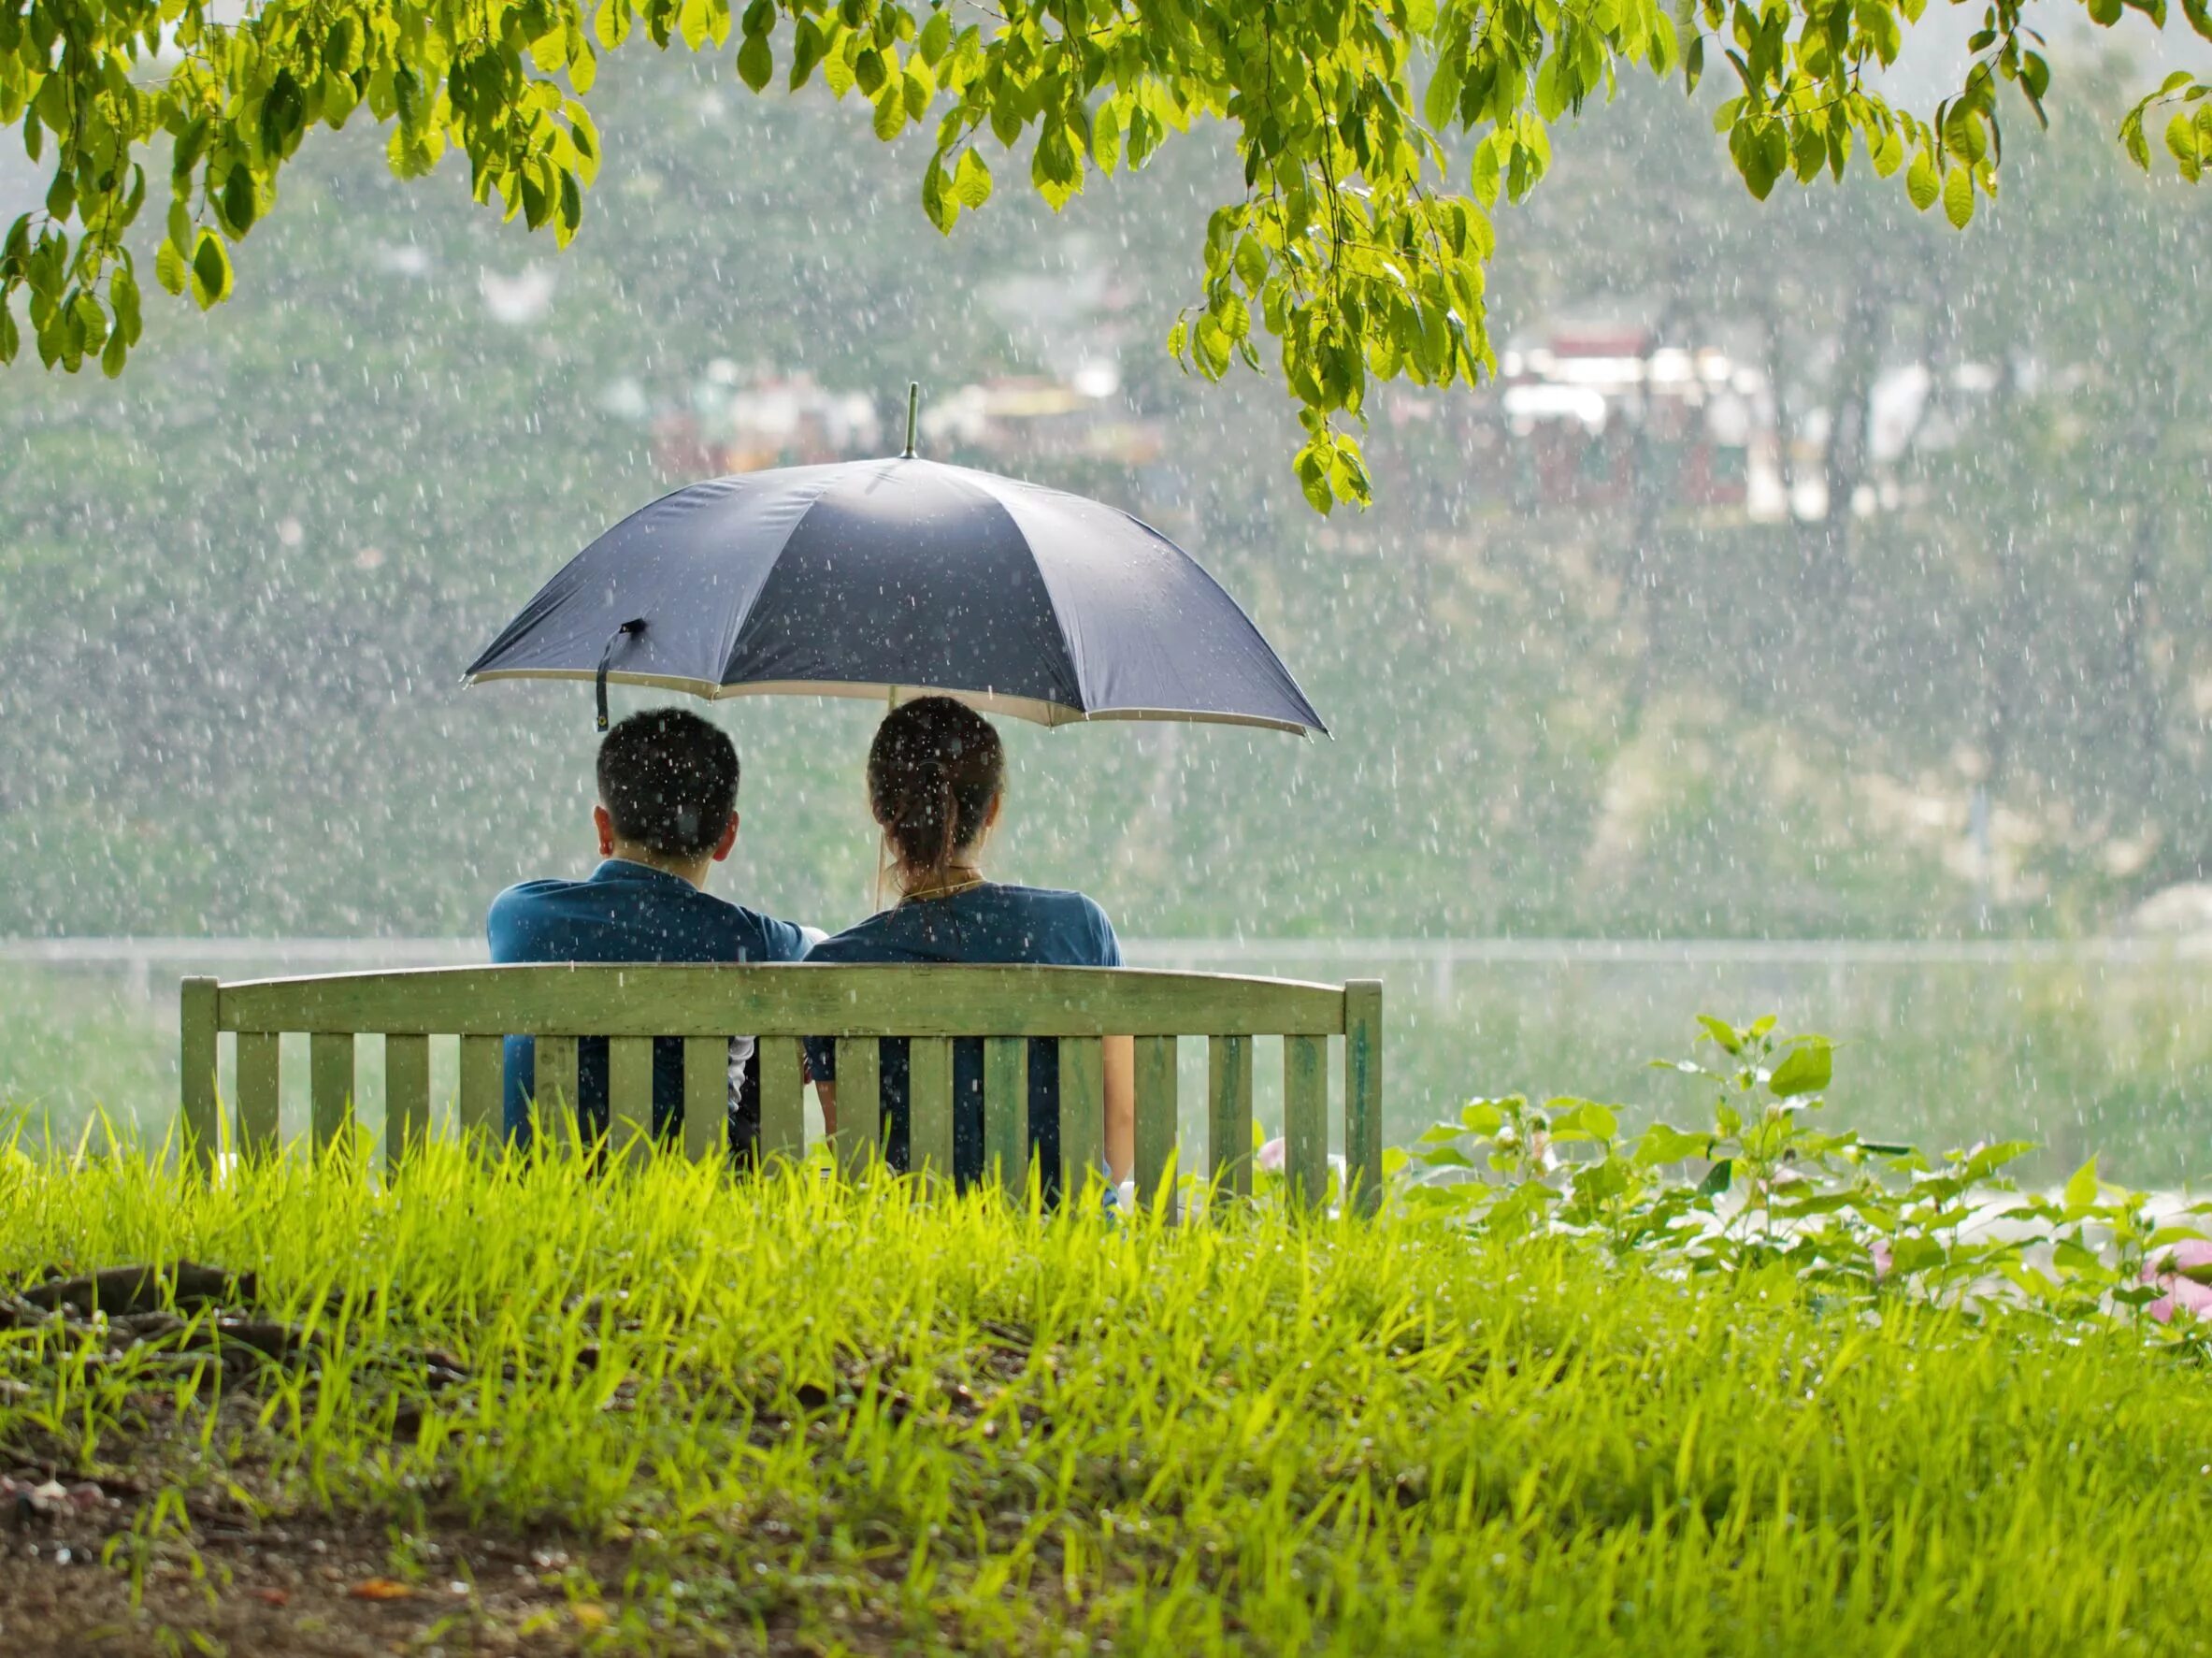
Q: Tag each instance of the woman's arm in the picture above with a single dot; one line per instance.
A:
(1119, 1054)
(826, 1093)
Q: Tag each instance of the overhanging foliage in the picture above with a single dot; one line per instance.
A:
(1358, 245)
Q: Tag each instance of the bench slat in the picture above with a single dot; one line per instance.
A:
(1305, 1117)
(483, 1090)
(330, 1083)
(1363, 1093)
(1006, 1110)
(859, 1103)
(407, 1095)
(785, 1001)
(929, 1105)
(258, 1085)
(1156, 1119)
(706, 1097)
(1082, 1114)
(1228, 1114)
(552, 1112)
(629, 1097)
(783, 1098)
(198, 1003)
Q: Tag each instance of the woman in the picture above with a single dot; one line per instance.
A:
(936, 781)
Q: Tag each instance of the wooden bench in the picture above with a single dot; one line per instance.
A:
(706, 1005)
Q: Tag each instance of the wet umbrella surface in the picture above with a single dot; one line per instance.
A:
(869, 577)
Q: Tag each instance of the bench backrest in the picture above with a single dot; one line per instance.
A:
(706, 1005)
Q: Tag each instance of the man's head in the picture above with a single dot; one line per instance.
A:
(668, 790)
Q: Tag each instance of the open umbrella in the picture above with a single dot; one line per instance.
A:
(870, 578)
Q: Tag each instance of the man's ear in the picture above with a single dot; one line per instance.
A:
(603, 821)
(729, 838)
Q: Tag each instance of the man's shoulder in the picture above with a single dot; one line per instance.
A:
(531, 892)
(762, 937)
(528, 898)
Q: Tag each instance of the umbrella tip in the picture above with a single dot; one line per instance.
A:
(913, 405)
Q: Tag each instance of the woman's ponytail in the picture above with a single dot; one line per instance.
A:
(933, 772)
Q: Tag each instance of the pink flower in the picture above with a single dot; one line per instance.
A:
(1270, 1156)
(1879, 1251)
(2182, 1294)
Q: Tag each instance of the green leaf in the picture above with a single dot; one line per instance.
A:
(972, 180)
(2132, 138)
(941, 210)
(1313, 479)
(1909, 1254)
(1957, 197)
(1717, 1178)
(1805, 1070)
(210, 271)
(890, 111)
(2081, 1185)
(1214, 344)
(1722, 1031)
(936, 37)
(11, 339)
(757, 62)
(1251, 262)
(2181, 139)
(1481, 1117)
(1487, 172)
(238, 200)
(1440, 102)
(1921, 182)
(169, 268)
(1581, 1117)
(1661, 1142)
(123, 299)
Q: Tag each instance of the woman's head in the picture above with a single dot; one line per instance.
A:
(935, 773)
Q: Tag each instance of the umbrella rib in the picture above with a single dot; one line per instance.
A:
(729, 655)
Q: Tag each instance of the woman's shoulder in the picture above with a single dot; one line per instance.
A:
(1083, 929)
(1049, 898)
(860, 942)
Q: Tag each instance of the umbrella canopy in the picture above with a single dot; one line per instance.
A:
(869, 578)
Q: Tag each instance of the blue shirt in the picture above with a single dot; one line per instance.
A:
(626, 912)
(986, 924)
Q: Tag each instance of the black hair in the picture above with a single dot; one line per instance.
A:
(933, 770)
(668, 779)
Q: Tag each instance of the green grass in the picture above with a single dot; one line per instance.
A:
(835, 1420)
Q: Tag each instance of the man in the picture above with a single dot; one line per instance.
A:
(667, 816)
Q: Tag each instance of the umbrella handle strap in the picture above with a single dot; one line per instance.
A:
(635, 626)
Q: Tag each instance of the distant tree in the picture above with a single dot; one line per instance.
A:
(1355, 245)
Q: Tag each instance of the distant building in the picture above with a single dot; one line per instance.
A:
(1589, 412)
(738, 422)
(1585, 415)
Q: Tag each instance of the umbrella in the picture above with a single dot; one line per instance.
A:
(870, 578)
